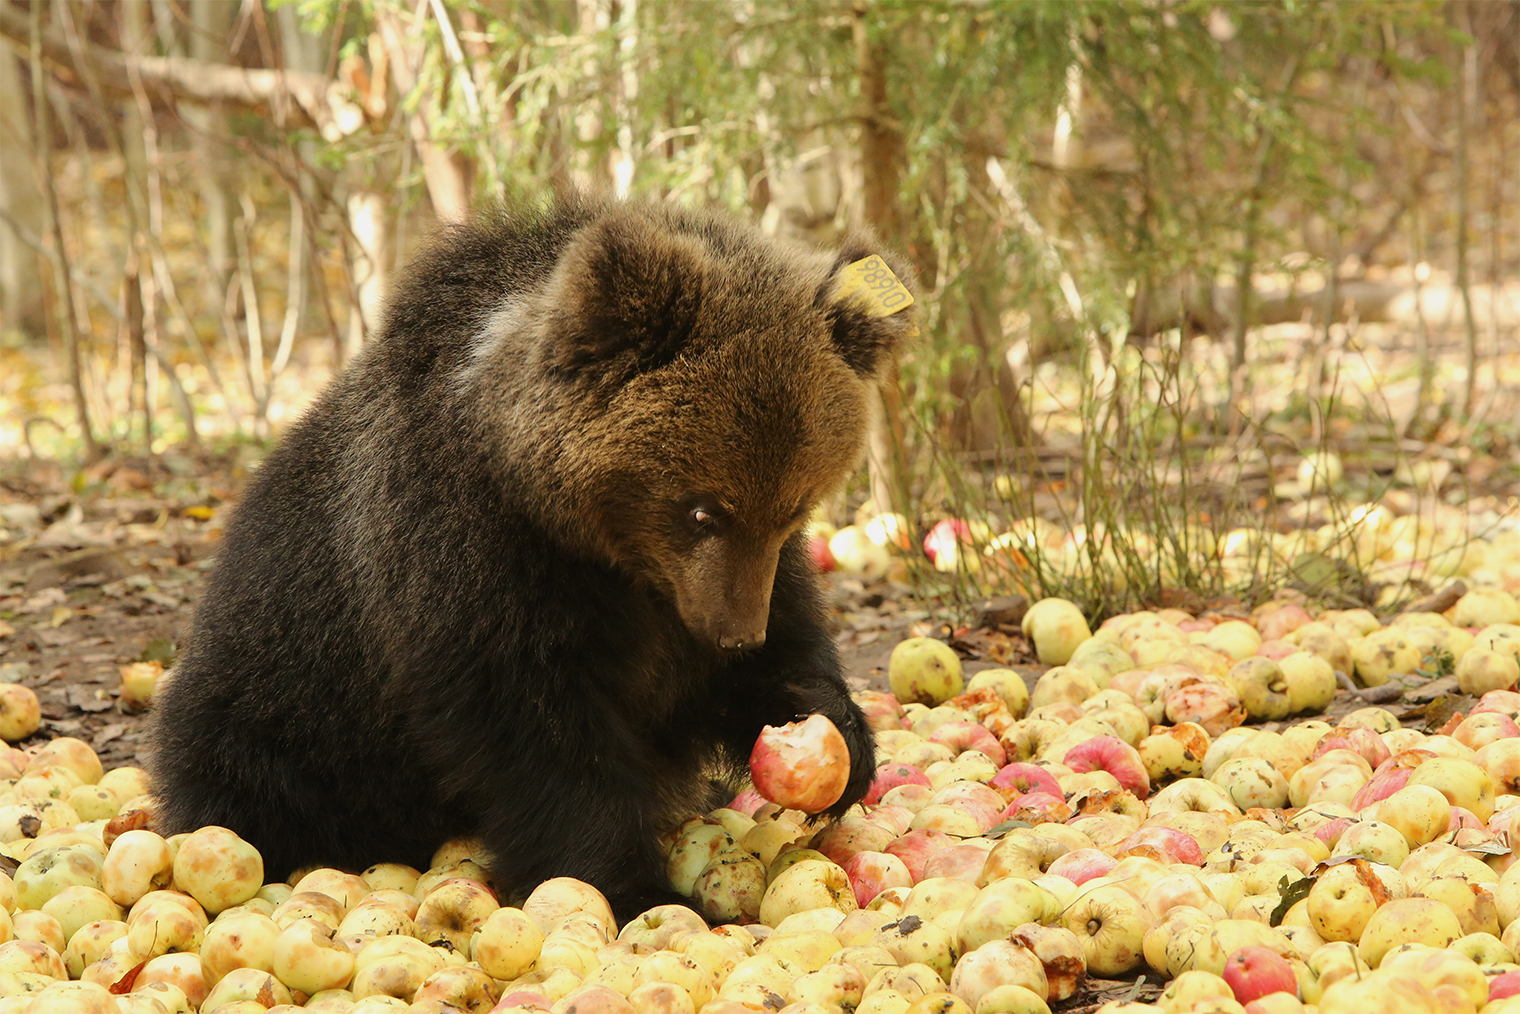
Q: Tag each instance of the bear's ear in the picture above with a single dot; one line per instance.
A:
(623, 298)
(869, 307)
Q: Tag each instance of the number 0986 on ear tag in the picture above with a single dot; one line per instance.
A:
(871, 280)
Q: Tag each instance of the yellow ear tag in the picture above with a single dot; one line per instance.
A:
(878, 287)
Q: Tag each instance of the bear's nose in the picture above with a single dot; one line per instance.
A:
(741, 642)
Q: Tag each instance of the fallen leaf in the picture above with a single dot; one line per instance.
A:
(54, 638)
(129, 478)
(127, 820)
(88, 701)
(108, 733)
(43, 599)
(124, 984)
(160, 649)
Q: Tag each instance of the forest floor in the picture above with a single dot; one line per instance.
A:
(106, 569)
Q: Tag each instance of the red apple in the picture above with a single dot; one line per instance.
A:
(1253, 972)
(895, 818)
(881, 710)
(1037, 808)
(871, 873)
(844, 838)
(1179, 845)
(1461, 817)
(1411, 758)
(986, 816)
(1503, 702)
(1477, 731)
(956, 792)
(747, 802)
(963, 736)
(892, 774)
(1331, 830)
(906, 797)
(1380, 787)
(944, 537)
(958, 862)
(1081, 865)
(1503, 985)
(1111, 754)
(915, 848)
(1018, 778)
(1358, 740)
(822, 555)
(1276, 649)
(801, 765)
(1276, 620)
(1501, 759)
(1212, 705)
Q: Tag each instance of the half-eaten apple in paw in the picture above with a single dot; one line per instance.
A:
(801, 765)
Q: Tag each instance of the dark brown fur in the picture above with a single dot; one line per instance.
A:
(533, 564)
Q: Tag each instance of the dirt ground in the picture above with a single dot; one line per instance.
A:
(91, 581)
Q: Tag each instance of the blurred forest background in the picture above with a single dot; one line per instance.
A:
(1187, 269)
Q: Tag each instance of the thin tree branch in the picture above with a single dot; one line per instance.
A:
(304, 99)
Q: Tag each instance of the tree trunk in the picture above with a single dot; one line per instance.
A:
(307, 52)
(370, 263)
(133, 324)
(993, 378)
(63, 283)
(447, 173)
(136, 138)
(21, 300)
(882, 157)
(211, 26)
(1466, 100)
(882, 150)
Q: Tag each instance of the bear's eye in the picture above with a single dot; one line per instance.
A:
(705, 516)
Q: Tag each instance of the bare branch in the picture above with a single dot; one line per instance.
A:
(305, 99)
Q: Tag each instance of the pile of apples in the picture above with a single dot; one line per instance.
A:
(1120, 817)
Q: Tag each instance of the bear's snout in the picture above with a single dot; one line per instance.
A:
(741, 642)
(723, 591)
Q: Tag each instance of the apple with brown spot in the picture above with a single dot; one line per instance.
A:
(217, 868)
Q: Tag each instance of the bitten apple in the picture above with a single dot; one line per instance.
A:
(801, 765)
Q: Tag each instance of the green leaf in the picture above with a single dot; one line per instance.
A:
(1291, 894)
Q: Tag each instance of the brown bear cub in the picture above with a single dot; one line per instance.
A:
(533, 567)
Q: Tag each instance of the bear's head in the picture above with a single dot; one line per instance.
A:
(697, 388)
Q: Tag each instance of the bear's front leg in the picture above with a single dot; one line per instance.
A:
(584, 823)
(560, 786)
